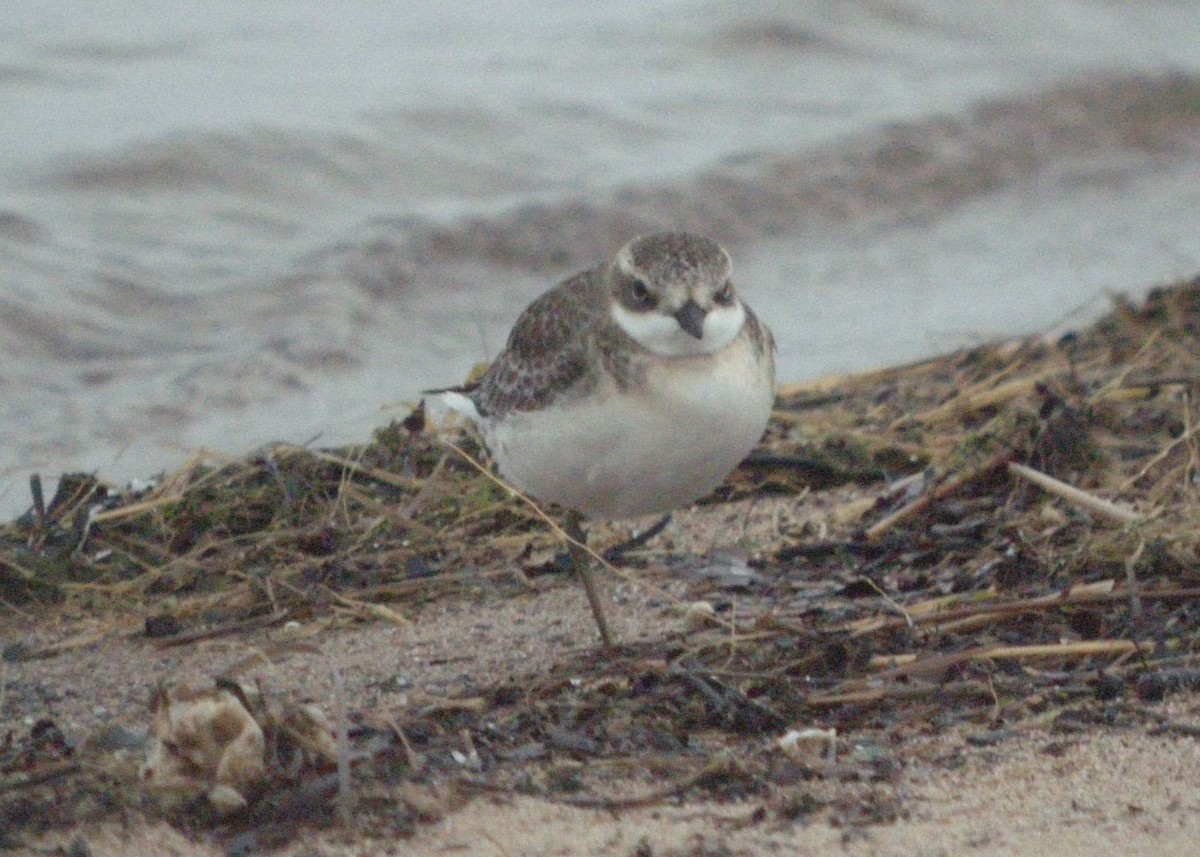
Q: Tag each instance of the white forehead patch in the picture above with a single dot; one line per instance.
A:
(662, 334)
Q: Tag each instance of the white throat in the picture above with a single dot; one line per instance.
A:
(662, 334)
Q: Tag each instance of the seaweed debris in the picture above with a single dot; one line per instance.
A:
(1006, 537)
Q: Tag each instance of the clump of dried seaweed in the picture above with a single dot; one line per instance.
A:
(998, 537)
(288, 529)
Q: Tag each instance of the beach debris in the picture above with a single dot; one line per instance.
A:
(699, 614)
(900, 570)
(810, 744)
(229, 744)
(203, 742)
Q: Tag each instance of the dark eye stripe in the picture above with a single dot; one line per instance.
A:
(637, 295)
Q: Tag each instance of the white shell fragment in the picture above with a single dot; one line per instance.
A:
(808, 744)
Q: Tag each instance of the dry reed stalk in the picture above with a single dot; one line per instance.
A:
(1075, 496)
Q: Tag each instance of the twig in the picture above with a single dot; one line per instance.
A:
(983, 395)
(899, 691)
(368, 608)
(1190, 473)
(134, 509)
(1029, 605)
(890, 601)
(25, 574)
(1127, 367)
(223, 630)
(345, 797)
(1082, 649)
(45, 773)
(870, 690)
(724, 698)
(532, 504)
(1161, 381)
(723, 763)
(1163, 453)
(39, 506)
(950, 486)
(374, 473)
(869, 377)
(1082, 499)
(1131, 580)
(415, 760)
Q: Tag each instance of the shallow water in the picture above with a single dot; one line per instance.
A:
(227, 224)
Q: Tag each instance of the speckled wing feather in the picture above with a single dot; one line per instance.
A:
(760, 334)
(549, 350)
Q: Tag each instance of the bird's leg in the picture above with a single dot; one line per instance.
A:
(581, 561)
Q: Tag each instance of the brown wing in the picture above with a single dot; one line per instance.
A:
(760, 334)
(548, 351)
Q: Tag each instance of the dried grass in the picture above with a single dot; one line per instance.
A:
(932, 581)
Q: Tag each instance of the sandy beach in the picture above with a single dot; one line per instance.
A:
(994, 663)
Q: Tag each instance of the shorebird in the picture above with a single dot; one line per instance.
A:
(628, 389)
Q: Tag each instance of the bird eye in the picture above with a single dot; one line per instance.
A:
(639, 294)
(724, 295)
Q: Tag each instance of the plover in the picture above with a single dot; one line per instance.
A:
(629, 389)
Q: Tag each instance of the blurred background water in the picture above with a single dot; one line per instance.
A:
(224, 224)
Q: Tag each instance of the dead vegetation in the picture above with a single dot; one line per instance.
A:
(1006, 538)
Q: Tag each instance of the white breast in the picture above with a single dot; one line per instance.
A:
(642, 451)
